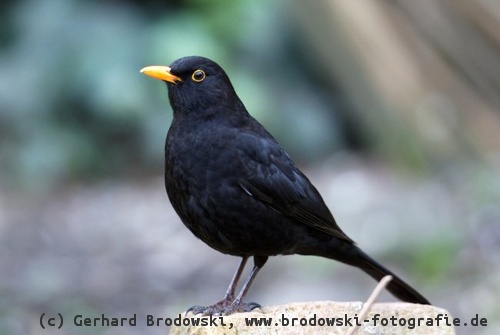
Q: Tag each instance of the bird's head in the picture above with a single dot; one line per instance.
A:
(195, 84)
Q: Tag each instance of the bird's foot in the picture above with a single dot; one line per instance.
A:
(240, 307)
(214, 309)
(224, 307)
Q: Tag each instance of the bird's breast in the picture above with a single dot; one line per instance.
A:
(198, 166)
(197, 155)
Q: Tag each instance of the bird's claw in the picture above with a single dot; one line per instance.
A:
(223, 308)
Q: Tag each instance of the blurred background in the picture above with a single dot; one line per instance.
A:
(390, 107)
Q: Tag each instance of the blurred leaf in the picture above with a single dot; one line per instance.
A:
(437, 258)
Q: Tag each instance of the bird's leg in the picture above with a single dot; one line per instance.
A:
(218, 307)
(229, 296)
(238, 305)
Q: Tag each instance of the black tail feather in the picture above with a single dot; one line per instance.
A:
(396, 286)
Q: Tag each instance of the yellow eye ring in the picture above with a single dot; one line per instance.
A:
(198, 76)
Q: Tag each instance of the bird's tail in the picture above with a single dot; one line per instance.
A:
(349, 253)
(396, 286)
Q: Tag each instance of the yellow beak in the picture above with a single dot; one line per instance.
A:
(160, 72)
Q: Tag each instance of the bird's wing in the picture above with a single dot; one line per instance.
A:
(273, 179)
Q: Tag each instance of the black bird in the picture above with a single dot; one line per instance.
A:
(237, 189)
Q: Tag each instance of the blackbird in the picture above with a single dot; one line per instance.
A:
(236, 189)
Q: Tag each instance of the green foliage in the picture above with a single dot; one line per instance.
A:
(75, 106)
(437, 258)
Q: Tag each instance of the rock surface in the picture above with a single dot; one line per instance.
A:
(313, 318)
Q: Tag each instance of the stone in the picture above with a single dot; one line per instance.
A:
(323, 317)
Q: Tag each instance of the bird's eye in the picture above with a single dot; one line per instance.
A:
(198, 76)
